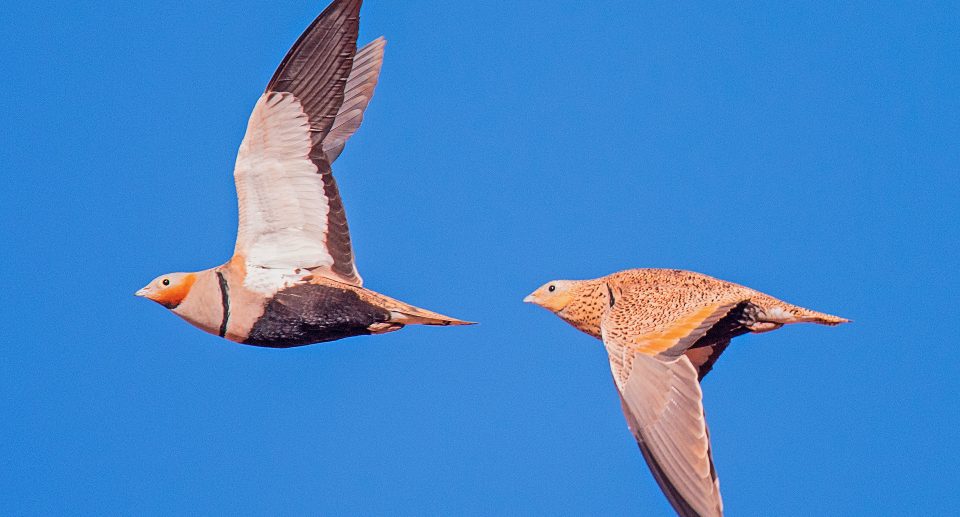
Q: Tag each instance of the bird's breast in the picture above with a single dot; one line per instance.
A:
(203, 307)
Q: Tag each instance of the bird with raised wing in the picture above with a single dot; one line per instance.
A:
(292, 279)
(663, 330)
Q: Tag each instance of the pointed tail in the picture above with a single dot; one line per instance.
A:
(424, 317)
(822, 318)
(407, 314)
(784, 313)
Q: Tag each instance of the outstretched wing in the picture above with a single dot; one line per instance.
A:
(291, 214)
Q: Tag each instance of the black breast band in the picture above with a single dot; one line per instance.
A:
(225, 299)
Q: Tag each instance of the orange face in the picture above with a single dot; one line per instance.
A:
(553, 296)
(169, 290)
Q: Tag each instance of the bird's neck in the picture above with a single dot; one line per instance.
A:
(586, 308)
(203, 306)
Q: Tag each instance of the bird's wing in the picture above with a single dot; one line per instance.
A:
(660, 393)
(291, 214)
(673, 334)
(662, 403)
(357, 94)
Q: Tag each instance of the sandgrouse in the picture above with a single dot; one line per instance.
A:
(292, 279)
(663, 330)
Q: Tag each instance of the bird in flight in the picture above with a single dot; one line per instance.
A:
(663, 331)
(292, 279)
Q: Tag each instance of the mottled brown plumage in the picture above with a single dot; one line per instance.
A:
(663, 331)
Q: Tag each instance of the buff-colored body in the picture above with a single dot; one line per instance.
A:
(663, 330)
(658, 295)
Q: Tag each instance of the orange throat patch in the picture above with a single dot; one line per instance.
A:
(172, 296)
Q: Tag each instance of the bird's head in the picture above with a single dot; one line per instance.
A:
(169, 290)
(578, 302)
(553, 295)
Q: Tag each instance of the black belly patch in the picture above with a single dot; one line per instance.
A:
(308, 313)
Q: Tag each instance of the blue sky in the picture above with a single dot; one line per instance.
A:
(808, 150)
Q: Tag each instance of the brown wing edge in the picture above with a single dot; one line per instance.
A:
(338, 231)
(676, 500)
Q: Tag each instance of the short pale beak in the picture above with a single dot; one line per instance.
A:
(528, 299)
(141, 292)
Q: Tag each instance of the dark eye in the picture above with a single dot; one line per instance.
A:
(166, 281)
(552, 288)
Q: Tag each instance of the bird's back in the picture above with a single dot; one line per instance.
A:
(658, 294)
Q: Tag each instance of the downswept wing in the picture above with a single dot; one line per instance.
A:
(660, 394)
(662, 403)
(291, 214)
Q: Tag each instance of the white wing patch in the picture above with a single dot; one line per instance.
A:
(282, 205)
(269, 281)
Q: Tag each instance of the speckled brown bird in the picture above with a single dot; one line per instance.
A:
(663, 331)
(292, 279)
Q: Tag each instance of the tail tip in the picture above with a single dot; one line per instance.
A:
(831, 320)
(453, 322)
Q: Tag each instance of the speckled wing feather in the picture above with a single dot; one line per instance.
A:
(670, 337)
(357, 94)
(291, 214)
